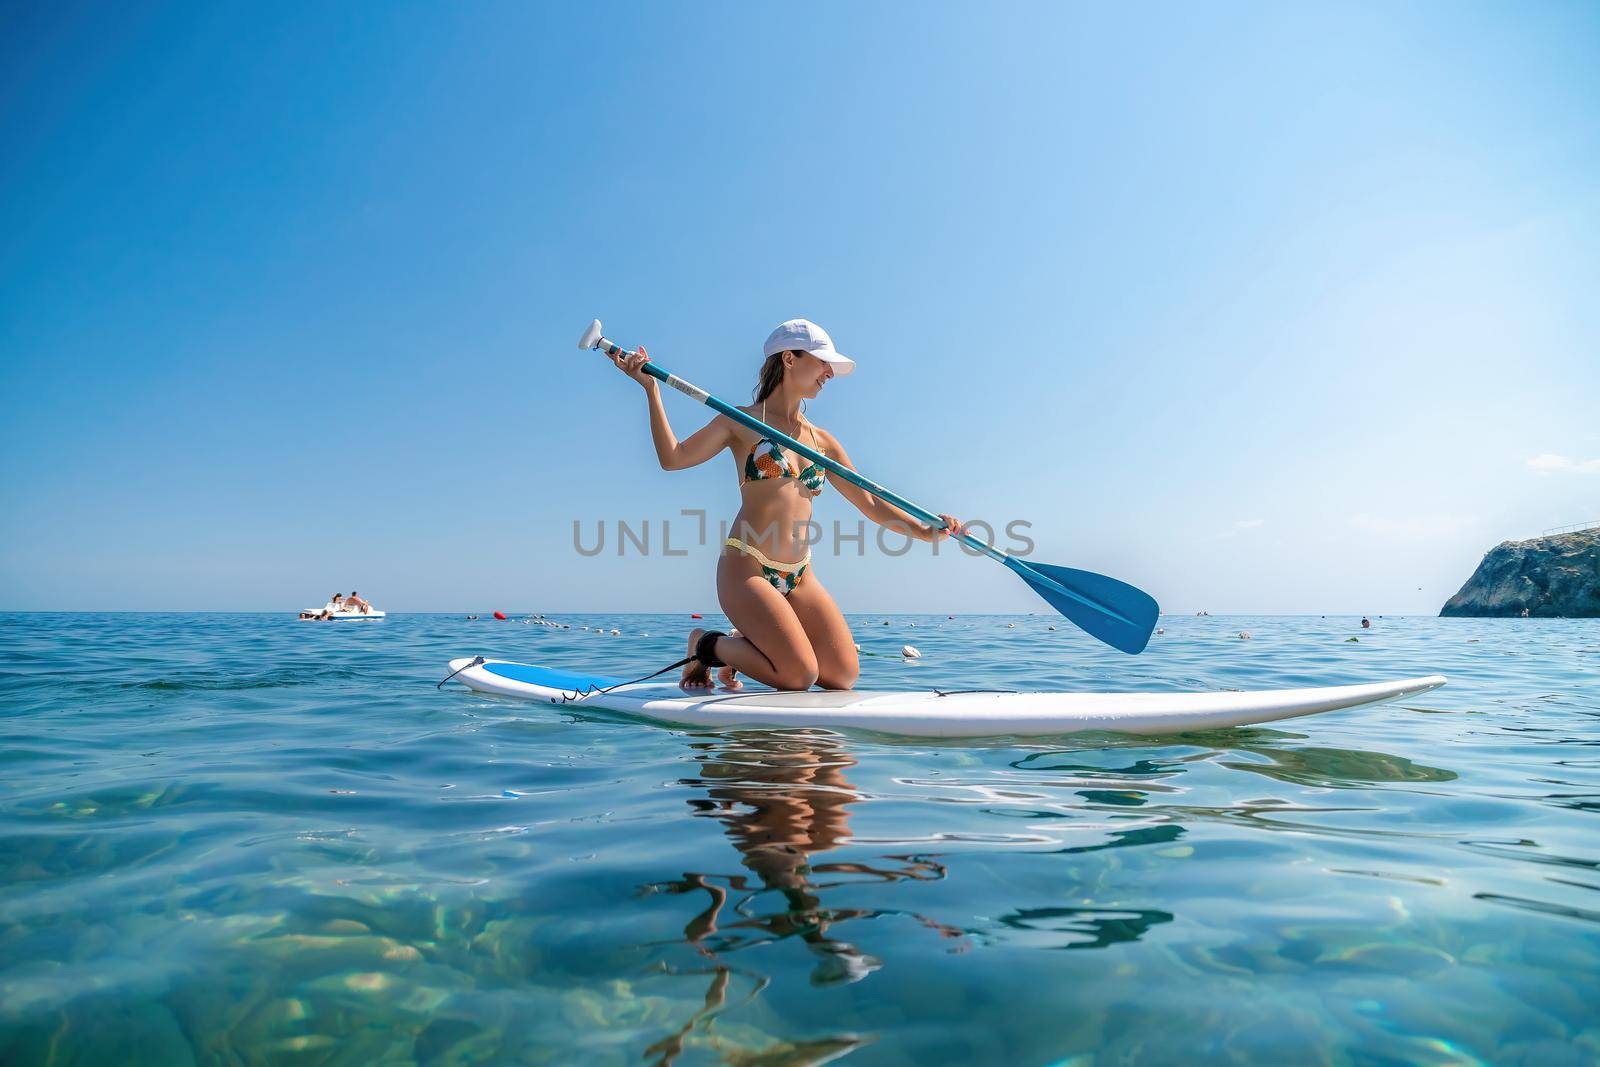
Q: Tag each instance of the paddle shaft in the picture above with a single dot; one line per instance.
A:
(1111, 611)
(694, 392)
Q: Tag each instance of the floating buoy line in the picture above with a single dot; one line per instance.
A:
(906, 653)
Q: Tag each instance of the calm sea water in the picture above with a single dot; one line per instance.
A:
(234, 839)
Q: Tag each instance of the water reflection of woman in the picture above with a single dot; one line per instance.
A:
(783, 799)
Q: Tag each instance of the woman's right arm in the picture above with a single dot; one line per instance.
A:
(674, 455)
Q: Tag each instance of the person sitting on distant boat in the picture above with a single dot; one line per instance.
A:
(324, 613)
(353, 602)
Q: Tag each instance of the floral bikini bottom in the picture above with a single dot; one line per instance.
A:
(783, 576)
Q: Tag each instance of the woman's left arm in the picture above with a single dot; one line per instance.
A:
(880, 511)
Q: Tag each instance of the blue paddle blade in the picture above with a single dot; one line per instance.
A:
(1104, 608)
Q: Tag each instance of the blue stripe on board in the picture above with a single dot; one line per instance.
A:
(546, 676)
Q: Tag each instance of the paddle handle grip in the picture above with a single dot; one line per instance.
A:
(611, 348)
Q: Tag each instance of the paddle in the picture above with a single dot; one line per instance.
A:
(1112, 611)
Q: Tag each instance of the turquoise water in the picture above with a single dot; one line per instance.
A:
(234, 839)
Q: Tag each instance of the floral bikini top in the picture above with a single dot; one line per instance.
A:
(768, 459)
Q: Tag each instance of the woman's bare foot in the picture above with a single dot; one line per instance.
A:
(695, 674)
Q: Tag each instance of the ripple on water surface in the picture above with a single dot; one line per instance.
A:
(240, 839)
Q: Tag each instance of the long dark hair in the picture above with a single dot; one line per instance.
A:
(771, 376)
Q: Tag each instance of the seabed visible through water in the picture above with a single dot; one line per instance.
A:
(239, 839)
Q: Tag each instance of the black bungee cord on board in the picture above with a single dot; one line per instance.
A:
(704, 652)
(477, 661)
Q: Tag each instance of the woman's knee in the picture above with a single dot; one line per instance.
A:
(839, 678)
(797, 676)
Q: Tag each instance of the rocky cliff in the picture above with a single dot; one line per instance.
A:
(1550, 576)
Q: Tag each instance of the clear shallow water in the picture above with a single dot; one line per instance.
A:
(243, 839)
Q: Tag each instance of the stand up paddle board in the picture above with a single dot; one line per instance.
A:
(927, 713)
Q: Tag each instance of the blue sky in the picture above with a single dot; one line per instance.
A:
(1264, 308)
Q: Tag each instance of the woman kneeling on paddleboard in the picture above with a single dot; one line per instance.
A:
(789, 633)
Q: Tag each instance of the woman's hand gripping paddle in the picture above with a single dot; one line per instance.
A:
(1114, 612)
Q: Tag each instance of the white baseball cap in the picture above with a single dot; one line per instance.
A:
(803, 335)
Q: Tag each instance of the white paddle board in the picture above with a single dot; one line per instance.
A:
(928, 713)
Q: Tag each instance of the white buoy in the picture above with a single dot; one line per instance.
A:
(1159, 630)
(1011, 626)
(910, 652)
(616, 633)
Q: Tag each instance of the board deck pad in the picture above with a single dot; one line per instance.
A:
(927, 713)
